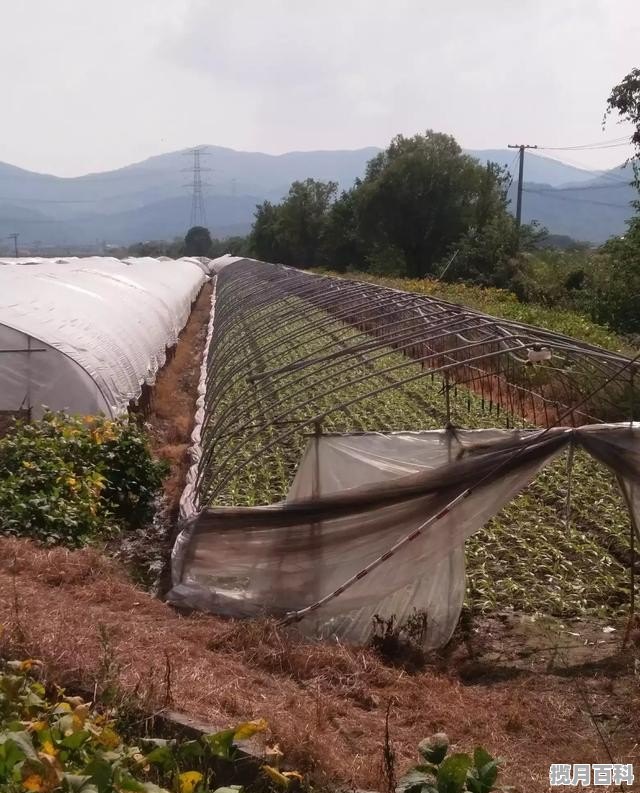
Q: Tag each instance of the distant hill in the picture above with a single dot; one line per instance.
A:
(538, 168)
(149, 200)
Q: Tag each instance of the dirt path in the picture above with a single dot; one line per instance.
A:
(325, 703)
(174, 401)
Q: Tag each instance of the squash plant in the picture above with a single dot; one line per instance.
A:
(62, 744)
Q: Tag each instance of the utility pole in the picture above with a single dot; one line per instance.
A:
(521, 147)
(198, 213)
(14, 237)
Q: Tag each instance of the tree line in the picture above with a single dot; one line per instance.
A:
(420, 202)
(426, 209)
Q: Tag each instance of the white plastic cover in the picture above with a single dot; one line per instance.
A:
(85, 334)
(354, 497)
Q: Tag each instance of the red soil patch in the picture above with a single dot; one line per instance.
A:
(325, 703)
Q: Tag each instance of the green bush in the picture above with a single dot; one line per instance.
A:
(68, 479)
(52, 743)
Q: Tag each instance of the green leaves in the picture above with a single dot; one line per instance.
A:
(420, 779)
(454, 773)
(67, 479)
(482, 777)
(221, 743)
(65, 746)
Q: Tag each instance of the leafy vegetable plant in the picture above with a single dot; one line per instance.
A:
(440, 772)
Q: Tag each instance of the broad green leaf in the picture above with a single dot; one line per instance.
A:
(220, 743)
(452, 774)
(189, 750)
(76, 739)
(162, 756)
(481, 757)
(23, 741)
(486, 776)
(127, 782)
(10, 755)
(101, 773)
(414, 780)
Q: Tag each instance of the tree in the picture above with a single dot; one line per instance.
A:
(263, 240)
(422, 195)
(198, 242)
(624, 99)
(616, 300)
(342, 245)
(418, 201)
(293, 232)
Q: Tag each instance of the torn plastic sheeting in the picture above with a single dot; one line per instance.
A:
(282, 558)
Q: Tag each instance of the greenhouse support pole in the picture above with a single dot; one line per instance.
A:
(447, 388)
(635, 530)
(316, 451)
(28, 378)
(634, 525)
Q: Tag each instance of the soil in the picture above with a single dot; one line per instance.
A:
(533, 691)
(173, 402)
(169, 418)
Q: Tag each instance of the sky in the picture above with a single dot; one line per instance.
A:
(91, 85)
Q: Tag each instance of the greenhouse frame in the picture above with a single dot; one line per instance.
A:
(361, 520)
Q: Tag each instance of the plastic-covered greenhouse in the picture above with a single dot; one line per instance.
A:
(350, 438)
(86, 335)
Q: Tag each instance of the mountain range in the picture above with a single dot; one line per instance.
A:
(151, 199)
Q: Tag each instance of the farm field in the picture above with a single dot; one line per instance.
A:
(502, 303)
(535, 556)
(548, 587)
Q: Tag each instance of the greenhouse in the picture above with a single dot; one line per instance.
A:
(87, 335)
(355, 447)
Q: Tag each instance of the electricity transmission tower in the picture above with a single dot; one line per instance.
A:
(14, 237)
(198, 213)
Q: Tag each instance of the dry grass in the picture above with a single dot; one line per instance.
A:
(174, 400)
(325, 703)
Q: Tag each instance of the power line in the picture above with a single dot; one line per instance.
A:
(603, 144)
(551, 194)
(51, 200)
(599, 173)
(616, 186)
(198, 213)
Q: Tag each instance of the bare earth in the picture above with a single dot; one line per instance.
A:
(529, 692)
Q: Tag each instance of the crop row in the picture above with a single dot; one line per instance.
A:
(534, 556)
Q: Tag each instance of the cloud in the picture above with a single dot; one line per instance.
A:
(92, 85)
